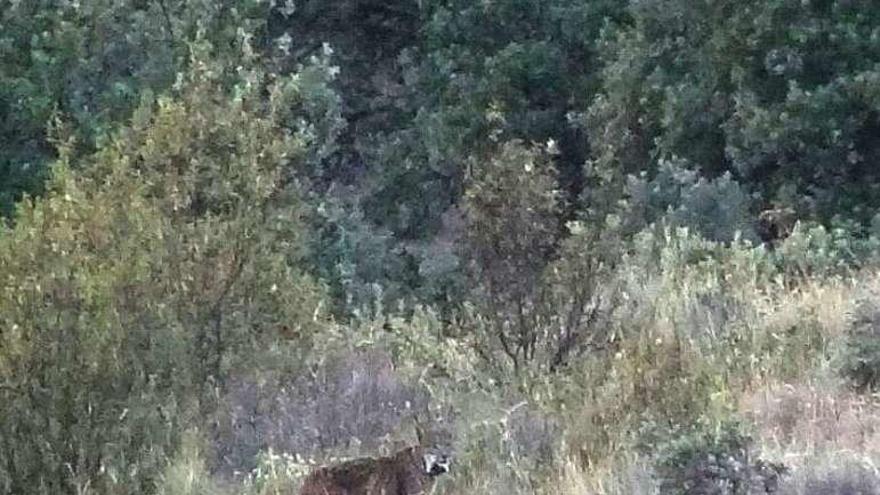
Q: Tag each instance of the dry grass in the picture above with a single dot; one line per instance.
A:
(827, 435)
(620, 476)
(841, 474)
(811, 419)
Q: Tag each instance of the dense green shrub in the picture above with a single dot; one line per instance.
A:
(134, 289)
(712, 459)
(514, 191)
(717, 209)
(814, 250)
(776, 92)
(93, 61)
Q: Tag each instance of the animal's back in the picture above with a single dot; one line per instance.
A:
(349, 478)
(401, 474)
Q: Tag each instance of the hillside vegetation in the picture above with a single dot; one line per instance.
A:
(607, 247)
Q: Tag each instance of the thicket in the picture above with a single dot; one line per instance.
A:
(609, 247)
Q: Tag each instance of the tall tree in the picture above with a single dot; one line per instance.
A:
(92, 60)
(779, 93)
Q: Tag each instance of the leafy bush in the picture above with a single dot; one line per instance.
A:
(513, 191)
(718, 209)
(818, 251)
(707, 459)
(133, 289)
(187, 472)
(355, 258)
(861, 358)
(783, 103)
(94, 61)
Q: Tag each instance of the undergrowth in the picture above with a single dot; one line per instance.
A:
(719, 374)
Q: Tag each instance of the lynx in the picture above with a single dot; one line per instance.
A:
(411, 471)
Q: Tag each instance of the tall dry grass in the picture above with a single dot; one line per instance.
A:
(693, 338)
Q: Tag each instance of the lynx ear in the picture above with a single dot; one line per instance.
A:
(436, 465)
(429, 461)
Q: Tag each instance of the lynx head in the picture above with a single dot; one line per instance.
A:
(436, 461)
(435, 448)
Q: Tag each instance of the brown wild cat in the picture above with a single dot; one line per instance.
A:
(408, 472)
